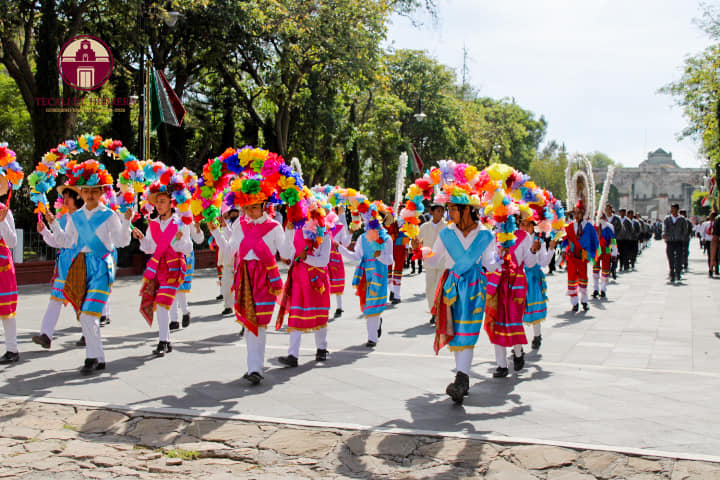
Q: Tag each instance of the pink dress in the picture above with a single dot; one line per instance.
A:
(336, 267)
(8, 283)
(306, 297)
(506, 301)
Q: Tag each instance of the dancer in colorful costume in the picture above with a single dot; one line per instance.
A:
(306, 294)
(11, 178)
(429, 232)
(168, 240)
(71, 201)
(253, 242)
(466, 249)
(374, 252)
(581, 242)
(399, 240)
(536, 309)
(93, 232)
(606, 251)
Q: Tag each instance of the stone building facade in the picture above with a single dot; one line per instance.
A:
(655, 184)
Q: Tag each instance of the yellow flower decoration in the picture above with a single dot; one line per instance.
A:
(499, 171)
(471, 172)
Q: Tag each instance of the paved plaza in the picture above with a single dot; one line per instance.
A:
(640, 370)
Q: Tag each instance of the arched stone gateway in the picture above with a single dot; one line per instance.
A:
(655, 184)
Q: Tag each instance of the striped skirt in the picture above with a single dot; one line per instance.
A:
(336, 271)
(536, 309)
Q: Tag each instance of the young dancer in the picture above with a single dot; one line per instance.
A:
(581, 243)
(181, 301)
(606, 251)
(336, 266)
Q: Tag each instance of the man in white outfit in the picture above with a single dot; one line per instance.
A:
(429, 232)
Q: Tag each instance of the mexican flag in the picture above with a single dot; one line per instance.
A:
(415, 163)
(165, 106)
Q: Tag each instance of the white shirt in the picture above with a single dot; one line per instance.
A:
(343, 237)
(273, 239)
(705, 231)
(542, 256)
(320, 257)
(197, 236)
(489, 258)
(183, 245)
(7, 230)
(113, 232)
(429, 231)
(523, 254)
(386, 254)
(674, 218)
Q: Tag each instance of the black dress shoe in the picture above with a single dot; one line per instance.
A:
(104, 321)
(226, 311)
(338, 313)
(186, 320)
(100, 366)
(321, 355)
(536, 342)
(168, 347)
(519, 362)
(219, 297)
(159, 350)
(458, 389)
(289, 361)
(576, 308)
(174, 326)
(42, 340)
(395, 301)
(602, 295)
(81, 342)
(380, 329)
(432, 320)
(586, 307)
(90, 365)
(254, 378)
(500, 372)
(242, 332)
(370, 344)
(595, 294)
(9, 357)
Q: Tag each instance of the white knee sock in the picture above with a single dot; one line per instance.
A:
(372, 327)
(596, 281)
(255, 350)
(10, 328)
(173, 311)
(183, 302)
(583, 295)
(501, 356)
(93, 338)
(517, 350)
(106, 309)
(536, 329)
(463, 360)
(295, 339)
(163, 321)
(52, 314)
(321, 339)
(338, 299)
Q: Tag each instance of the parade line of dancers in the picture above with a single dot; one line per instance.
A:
(484, 238)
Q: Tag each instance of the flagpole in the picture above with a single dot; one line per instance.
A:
(148, 119)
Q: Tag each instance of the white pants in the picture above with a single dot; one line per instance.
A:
(256, 350)
(296, 337)
(163, 321)
(463, 360)
(227, 281)
(182, 302)
(501, 354)
(10, 328)
(596, 281)
(373, 323)
(338, 299)
(536, 329)
(395, 289)
(432, 278)
(583, 296)
(106, 309)
(93, 338)
(50, 320)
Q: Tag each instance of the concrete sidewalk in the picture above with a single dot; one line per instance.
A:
(639, 370)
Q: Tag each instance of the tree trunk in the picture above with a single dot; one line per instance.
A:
(121, 127)
(352, 160)
(228, 131)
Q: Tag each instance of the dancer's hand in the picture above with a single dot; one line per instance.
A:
(49, 217)
(40, 226)
(212, 226)
(129, 214)
(535, 246)
(197, 228)
(416, 244)
(3, 213)
(377, 254)
(179, 235)
(553, 244)
(136, 233)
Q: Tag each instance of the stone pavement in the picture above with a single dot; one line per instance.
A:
(640, 370)
(41, 440)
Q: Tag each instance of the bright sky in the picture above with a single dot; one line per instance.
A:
(591, 67)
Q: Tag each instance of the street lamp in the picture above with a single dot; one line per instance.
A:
(420, 116)
(171, 18)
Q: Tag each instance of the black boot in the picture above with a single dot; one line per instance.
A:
(226, 311)
(9, 357)
(242, 332)
(90, 365)
(42, 340)
(338, 313)
(432, 320)
(254, 378)
(321, 355)
(380, 329)
(159, 350)
(586, 307)
(219, 297)
(602, 295)
(370, 344)
(536, 342)
(392, 297)
(500, 372)
(459, 388)
(576, 308)
(81, 342)
(289, 361)
(174, 326)
(104, 321)
(168, 347)
(519, 362)
(595, 294)
(186, 320)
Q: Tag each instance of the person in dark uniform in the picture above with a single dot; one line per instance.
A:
(675, 234)
(688, 237)
(616, 223)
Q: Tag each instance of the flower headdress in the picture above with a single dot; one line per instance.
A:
(11, 173)
(170, 182)
(87, 174)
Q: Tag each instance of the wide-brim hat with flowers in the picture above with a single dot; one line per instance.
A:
(11, 173)
(87, 174)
